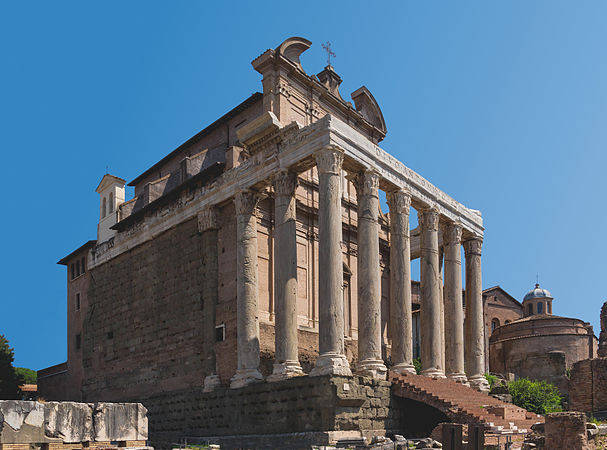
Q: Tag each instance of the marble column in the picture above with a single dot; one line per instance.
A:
(209, 280)
(401, 321)
(441, 297)
(474, 323)
(286, 362)
(430, 308)
(246, 290)
(454, 312)
(370, 362)
(331, 359)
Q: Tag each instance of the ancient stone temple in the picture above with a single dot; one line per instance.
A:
(258, 252)
(602, 351)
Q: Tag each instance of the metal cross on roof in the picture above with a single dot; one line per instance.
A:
(327, 47)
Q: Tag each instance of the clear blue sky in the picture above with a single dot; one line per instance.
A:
(503, 105)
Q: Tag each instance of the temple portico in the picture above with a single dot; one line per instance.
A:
(330, 149)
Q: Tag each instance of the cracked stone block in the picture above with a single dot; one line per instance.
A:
(120, 422)
(69, 421)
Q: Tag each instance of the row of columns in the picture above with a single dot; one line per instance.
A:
(437, 361)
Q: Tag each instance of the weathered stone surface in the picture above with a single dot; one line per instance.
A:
(602, 352)
(566, 430)
(69, 421)
(120, 422)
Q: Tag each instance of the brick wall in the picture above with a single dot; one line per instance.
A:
(588, 386)
(53, 382)
(566, 431)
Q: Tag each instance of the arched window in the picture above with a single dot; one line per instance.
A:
(540, 308)
(530, 308)
(111, 202)
(103, 208)
(494, 324)
(507, 322)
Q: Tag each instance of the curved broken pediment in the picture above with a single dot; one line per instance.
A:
(367, 106)
(293, 47)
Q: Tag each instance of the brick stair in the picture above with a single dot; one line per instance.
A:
(469, 405)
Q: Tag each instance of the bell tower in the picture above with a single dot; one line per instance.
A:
(111, 195)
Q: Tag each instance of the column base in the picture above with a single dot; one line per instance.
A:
(284, 370)
(458, 377)
(331, 363)
(374, 368)
(479, 382)
(211, 383)
(404, 369)
(244, 377)
(433, 372)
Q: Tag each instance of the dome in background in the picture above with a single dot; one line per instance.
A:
(537, 292)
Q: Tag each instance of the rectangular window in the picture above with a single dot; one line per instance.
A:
(220, 333)
(82, 265)
(73, 271)
(77, 302)
(78, 341)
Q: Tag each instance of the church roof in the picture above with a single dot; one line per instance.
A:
(537, 292)
(506, 294)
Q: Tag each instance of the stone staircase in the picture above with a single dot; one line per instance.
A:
(463, 404)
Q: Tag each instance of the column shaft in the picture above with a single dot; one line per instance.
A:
(475, 327)
(331, 359)
(430, 295)
(286, 362)
(209, 280)
(370, 361)
(401, 325)
(247, 290)
(454, 312)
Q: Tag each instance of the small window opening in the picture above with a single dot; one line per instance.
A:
(103, 208)
(78, 301)
(549, 306)
(82, 265)
(507, 321)
(494, 324)
(78, 268)
(73, 268)
(78, 341)
(530, 308)
(111, 202)
(540, 308)
(110, 334)
(220, 333)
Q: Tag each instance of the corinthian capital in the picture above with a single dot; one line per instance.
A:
(452, 233)
(399, 201)
(285, 183)
(473, 246)
(428, 219)
(367, 183)
(207, 219)
(246, 202)
(329, 160)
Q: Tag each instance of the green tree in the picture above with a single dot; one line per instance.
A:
(537, 396)
(9, 379)
(29, 376)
